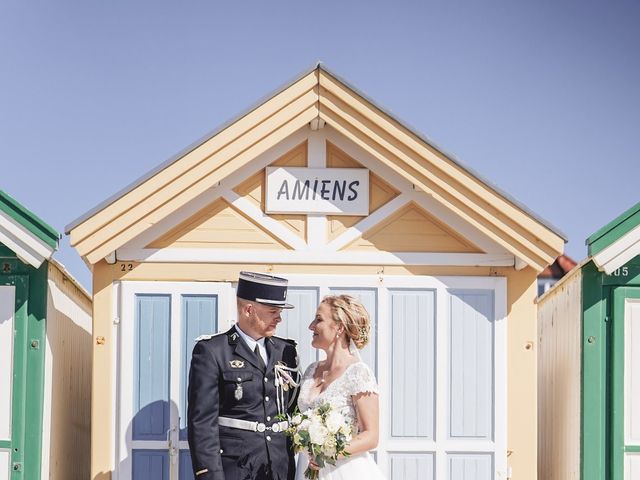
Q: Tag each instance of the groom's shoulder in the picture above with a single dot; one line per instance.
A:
(286, 341)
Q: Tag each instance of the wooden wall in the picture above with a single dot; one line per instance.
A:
(66, 439)
(559, 334)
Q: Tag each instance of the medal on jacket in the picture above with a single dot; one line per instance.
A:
(237, 393)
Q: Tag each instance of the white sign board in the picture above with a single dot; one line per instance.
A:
(335, 191)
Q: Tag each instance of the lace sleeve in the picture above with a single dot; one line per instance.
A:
(360, 379)
(308, 373)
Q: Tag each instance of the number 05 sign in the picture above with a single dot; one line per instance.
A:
(335, 191)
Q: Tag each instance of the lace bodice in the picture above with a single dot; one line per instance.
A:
(357, 378)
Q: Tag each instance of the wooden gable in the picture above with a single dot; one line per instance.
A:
(319, 98)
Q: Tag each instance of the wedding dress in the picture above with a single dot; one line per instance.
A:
(357, 378)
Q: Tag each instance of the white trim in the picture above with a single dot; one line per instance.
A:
(317, 149)
(258, 216)
(215, 192)
(619, 252)
(631, 371)
(356, 231)
(199, 255)
(316, 158)
(427, 202)
(45, 453)
(7, 335)
(24, 244)
(124, 405)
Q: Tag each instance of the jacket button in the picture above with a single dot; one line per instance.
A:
(266, 379)
(268, 438)
(266, 399)
(268, 419)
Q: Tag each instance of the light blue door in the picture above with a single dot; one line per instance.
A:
(163, 332)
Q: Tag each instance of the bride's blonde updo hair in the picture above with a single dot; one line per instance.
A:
(349, 312)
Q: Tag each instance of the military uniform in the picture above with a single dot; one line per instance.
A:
(234, 401)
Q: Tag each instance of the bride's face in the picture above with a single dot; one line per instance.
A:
(325, 330)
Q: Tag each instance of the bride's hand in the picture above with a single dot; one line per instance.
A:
(313, 465)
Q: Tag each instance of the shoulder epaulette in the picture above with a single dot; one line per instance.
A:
(207, 337)
(288, 340)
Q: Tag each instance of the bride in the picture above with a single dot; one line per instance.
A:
(340, 327)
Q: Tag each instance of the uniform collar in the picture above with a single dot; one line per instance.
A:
(251, 342)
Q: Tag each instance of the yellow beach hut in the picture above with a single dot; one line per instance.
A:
(320, 185)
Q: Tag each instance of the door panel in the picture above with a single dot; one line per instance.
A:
(413, 363)
(7, 309)
(625, 388)
(199, 317)
(418, 465)
(471, 365)
(159, 326)
(470, 467)
(296, 322)
(151, 381)
(186, 470)
(369, 298)
(150, 465)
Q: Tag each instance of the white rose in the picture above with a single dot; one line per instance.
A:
(296, 419)
(304, 424)
(334, 421)
(329, 447)
(317, 433)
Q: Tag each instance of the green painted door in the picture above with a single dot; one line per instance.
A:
(625, 384)
(13, 358)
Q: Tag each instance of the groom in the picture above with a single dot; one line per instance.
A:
(234, 399)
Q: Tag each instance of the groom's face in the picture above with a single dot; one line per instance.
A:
(258, 320)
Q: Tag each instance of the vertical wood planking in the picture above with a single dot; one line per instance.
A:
(559, 370)
(471, 364)
(412, 363)
(368, 297)
(151, 381)
(199, 317)
(470, 467)
(7, 308)
(632, 372)
(186, 470)
(296, 322)
(150, 465)
(407, 466)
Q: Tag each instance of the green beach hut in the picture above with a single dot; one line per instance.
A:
(45, 354)
(589, 361)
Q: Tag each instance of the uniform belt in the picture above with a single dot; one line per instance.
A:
(252, 426)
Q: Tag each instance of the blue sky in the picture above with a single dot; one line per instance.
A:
(541, 98)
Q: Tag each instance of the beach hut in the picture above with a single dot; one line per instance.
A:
(589, 370)
(45, 354)
(320, 185)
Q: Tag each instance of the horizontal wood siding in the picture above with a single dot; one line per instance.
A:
(559, 333)
(67, 404)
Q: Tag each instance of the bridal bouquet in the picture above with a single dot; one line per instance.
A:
(322, 433)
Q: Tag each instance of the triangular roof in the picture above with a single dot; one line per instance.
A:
(316, 95)
(28, 236)
(617, 242)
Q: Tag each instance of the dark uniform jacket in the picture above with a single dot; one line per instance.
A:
(223, 368)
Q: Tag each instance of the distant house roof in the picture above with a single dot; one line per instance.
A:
(559, 268)
(617, 242)
(28, 236)
(318, 94)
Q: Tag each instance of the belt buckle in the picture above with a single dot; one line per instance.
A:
(275, 427)
(261, 427)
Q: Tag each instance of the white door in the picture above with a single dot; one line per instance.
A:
(439, 352)
(7, 329)
(159, 322)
